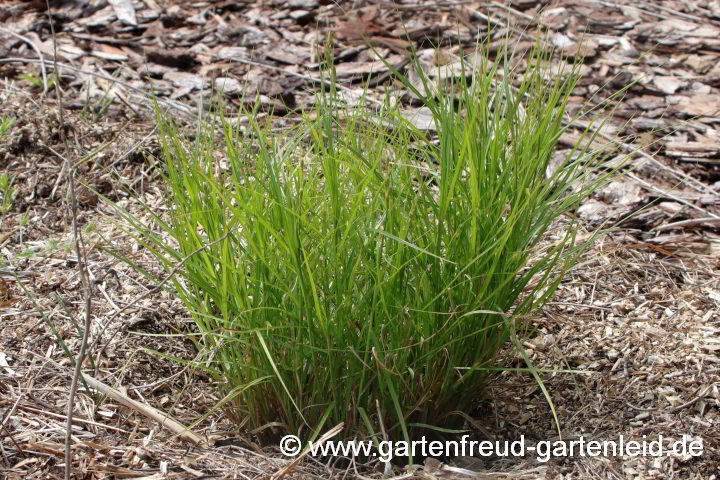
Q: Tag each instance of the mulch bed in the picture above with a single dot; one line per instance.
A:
(639, 316)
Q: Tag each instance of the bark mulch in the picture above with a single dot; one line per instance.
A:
(639, 317)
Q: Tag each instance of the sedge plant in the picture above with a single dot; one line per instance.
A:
(357, 270)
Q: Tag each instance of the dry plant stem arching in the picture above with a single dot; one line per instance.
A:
(80, 252)
(39, 54)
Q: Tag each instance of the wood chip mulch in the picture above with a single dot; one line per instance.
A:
(638, 318)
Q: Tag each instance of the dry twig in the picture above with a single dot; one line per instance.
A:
(81, 263)
(37, 50)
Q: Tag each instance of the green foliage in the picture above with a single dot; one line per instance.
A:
(357, 271)
(6, 125)
(38, 81)
(7, 193)
(7, 190)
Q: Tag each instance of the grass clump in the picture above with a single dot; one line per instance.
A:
(7, 193)
(357, 270)
(6, 124)
(7, 190)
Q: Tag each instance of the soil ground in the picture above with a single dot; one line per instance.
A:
(640, 315)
